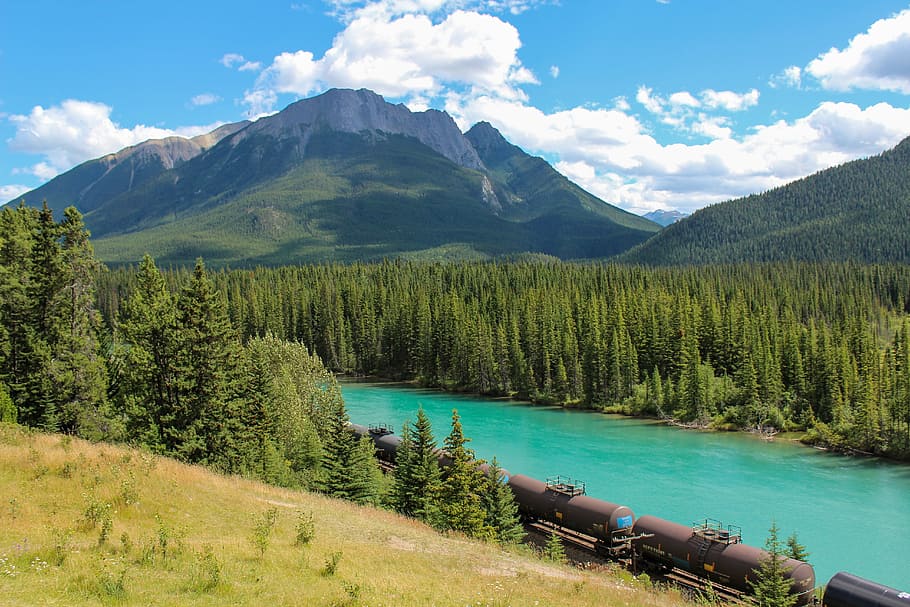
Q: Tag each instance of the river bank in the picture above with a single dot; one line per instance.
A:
(681, 475)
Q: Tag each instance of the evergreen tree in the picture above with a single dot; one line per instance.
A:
(7, 408)
(148, 329)
(500, 507)
(21, 344)
(771, 586)
(459, 504)
(795, 550)
(349, 470)
(403, 498)
(78, 369)
(553, 550)
(198, 428)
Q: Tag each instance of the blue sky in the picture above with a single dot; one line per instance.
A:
(647, 103)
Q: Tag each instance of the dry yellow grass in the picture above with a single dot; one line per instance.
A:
(181, 535)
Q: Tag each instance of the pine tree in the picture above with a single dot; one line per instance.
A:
(348, 467)
(403, 498)
(459, 504)
(795, 550)
(78, 369)
(553, 550)
(147, 326)
(198, 429)
(500, 507)
(771, 586)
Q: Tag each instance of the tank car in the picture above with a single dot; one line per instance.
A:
(560, 503)
(712, 552)
(385, 441)
(848, 590)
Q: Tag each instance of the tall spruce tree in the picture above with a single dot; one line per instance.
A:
(21, 343)
(500, 507)
(771, 586)
(349, 469)
(417, 475)
(78, 369)
(148, 332)
(459, 505)
(198, 429)
(403, 482)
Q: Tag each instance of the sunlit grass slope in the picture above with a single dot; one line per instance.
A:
(88, 524)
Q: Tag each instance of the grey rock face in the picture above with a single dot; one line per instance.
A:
(364, 111)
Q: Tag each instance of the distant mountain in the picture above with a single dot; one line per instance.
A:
(341, 176)
(665, 217)
(858, 211)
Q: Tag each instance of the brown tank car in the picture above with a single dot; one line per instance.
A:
(710, 551)
(563, 502)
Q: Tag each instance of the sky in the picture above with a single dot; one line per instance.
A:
(648, 104)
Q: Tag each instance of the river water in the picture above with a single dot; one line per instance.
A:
(852, 513)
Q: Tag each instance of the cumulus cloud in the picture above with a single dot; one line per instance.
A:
(878, 59)
(554, 71)
(388, 53)
(690, 114)
(729, 100)
(791, 77)
(205, 99)
(76, 131)
(611, 153)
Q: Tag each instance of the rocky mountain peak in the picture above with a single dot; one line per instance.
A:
(491, 146)
(365, 112)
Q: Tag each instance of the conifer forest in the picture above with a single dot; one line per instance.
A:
(235, 368)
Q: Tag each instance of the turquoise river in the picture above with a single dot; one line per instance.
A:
(852, 513)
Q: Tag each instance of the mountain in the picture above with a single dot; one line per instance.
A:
(342, 176)
(665, 217)
(858, 211)
(92, 183)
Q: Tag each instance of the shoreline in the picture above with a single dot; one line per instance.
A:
(670, 422)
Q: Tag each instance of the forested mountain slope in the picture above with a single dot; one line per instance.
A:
(859, 211)
(342, 176)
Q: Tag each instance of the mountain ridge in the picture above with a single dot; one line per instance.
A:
(341, 176)
(858, 211)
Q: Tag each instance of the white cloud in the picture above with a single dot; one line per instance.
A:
(403, 56)
(205, 99)
(12, 191)
(349, 9)
(230, 60)
(76, 131)
(791, 76)
(611, 154)
(554, 71)
(878, 59)
(684, 98)
(688, 114)
(729, 100)
(646, 97)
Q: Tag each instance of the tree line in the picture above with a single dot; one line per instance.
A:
(819, 347)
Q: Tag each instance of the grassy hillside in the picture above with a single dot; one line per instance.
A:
(859, 211)
(92, 524)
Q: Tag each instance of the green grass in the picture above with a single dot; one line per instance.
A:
(181, 535)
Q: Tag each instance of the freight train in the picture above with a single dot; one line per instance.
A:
(707, 550)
